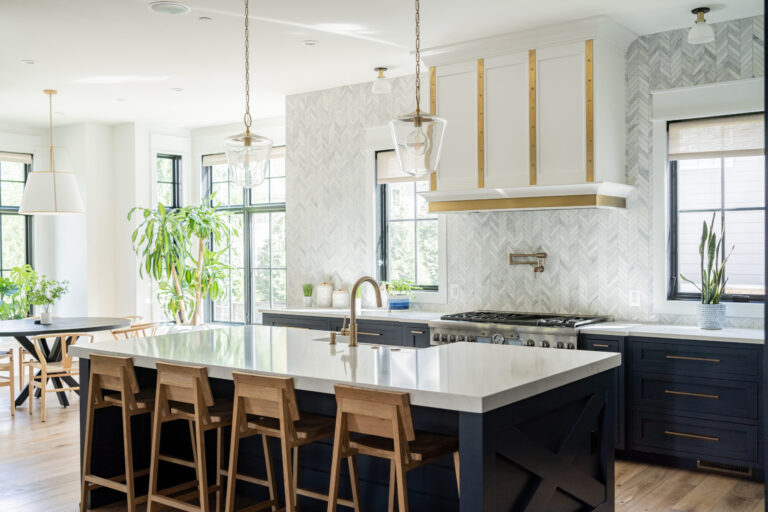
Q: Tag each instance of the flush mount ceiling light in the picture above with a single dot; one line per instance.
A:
(310, 42)
(51, 192)
(171, 8)
(418, 136)
(381, 85)
(700, 32)
(27, 61)
(248, 154)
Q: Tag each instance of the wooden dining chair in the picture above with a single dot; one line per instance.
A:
(24, 358)
(135, 331)
(135, 319)
(6, 365)
(385, 426)
(67, 366)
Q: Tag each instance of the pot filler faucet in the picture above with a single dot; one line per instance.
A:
(352, 331)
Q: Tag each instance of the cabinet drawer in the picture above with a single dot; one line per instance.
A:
(303, 322)
(694, 359)
(416, 335)
(602, 344)
(729, 399)
(380, 333)
(695, 438)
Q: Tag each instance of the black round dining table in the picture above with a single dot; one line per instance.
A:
(25, 328)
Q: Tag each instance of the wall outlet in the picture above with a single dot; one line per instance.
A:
(634, 298)
(454, 291)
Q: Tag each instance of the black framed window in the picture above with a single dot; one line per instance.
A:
(169, 180)
(407, 232)
(257, 253)
(15, 229)
(728, 184)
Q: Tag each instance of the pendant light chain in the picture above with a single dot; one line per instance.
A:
(418, 60)
(50, 127)
(247, 117)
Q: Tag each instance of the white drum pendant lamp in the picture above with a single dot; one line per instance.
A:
(51, 192)
(418, 136)
(248, 154)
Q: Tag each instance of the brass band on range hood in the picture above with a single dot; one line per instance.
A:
(512, 203)
(532, 113)
(433, 111)
(590, 111)
(480, 124)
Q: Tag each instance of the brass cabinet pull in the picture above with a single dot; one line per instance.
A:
(601, 345)
(685, 393)
(692, 436)
(685, 358)
(369, 333)
(417, 332)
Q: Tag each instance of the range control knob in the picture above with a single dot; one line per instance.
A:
(471, 339)
(571, 345)
(530, 343)
(452, 338)
(460, 337)
(498, 339)
(436, 336)
(545, 344)
(444, 338)
(560, 344)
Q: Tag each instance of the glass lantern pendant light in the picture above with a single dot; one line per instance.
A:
(248, 154)
(51, 192)
(418, 136)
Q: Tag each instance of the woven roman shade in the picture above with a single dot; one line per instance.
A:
(718, 137)
(221, 158)
(388, 169)
(21, 158)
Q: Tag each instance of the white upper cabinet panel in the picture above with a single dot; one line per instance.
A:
(456, 89)
(507, 159)
(561, 114)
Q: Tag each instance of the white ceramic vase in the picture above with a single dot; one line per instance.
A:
(46, 314)
(307, 301)
(710, 316)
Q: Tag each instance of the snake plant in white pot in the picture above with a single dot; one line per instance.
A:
(710, 313)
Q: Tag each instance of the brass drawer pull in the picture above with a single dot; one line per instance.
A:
(685, 358)
(369, 333)
(692, 436)
(600, 345)
(685, 393)
(417, 332)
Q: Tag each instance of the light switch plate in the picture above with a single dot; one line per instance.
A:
(454, 291)
(634, 298)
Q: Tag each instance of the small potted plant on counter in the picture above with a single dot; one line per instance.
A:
(45, 293)
(399, 293)
(307, 288)
(710, 313)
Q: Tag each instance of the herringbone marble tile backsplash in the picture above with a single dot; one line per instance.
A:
(595, 256)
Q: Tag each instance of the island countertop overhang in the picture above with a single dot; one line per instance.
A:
(467, 377)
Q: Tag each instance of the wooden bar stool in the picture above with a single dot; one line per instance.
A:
(266, 406)
(184, 393)
(6, 365)
(384, 418)
(66, 367)
(135, 331)
(113, 384)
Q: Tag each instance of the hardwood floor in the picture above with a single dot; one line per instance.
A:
(40, 471)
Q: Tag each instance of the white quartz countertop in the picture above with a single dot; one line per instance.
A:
(363, 314)
(470, 377)
(684, 332)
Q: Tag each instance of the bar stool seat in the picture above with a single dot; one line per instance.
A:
(308, 427)
(425, 447)
(221, 411)
(144, 398)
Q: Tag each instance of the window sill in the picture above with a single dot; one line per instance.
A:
(688, 307)
(430, 297)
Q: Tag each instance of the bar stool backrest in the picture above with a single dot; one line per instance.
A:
(135, 331)
(264, 396)
(110, 373)
(184, 384)
(376, 413)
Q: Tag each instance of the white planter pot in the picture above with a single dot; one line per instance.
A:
(710, 316)
(46, 315)
(308, 302)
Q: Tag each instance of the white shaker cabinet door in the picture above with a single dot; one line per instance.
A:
(456, 90)
(561, 114)
(507, 156)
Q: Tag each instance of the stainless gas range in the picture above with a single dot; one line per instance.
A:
(510, 328)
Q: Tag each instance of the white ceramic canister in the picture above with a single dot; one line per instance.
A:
(340, 299)
(323, 295)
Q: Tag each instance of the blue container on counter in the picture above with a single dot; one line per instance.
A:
(399, 302)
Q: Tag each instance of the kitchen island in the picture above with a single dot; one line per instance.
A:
(535, 426)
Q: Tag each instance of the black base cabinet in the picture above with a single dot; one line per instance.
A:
(377, 332)
(612, 344)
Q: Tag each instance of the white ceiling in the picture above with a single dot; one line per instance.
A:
(116, 61)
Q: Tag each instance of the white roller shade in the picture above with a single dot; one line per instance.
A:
(21, 158)
(388, 169)
(719, 137)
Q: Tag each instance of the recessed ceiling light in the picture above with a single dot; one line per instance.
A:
(27, 61)
(205, 18)
(120, 99)
(171, 8)
(176, 89)
(310, 42)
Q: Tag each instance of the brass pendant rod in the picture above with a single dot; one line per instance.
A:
(418, 59)
(50, 93)
(247, 117)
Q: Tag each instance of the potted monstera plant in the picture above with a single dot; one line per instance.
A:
(710, 312)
